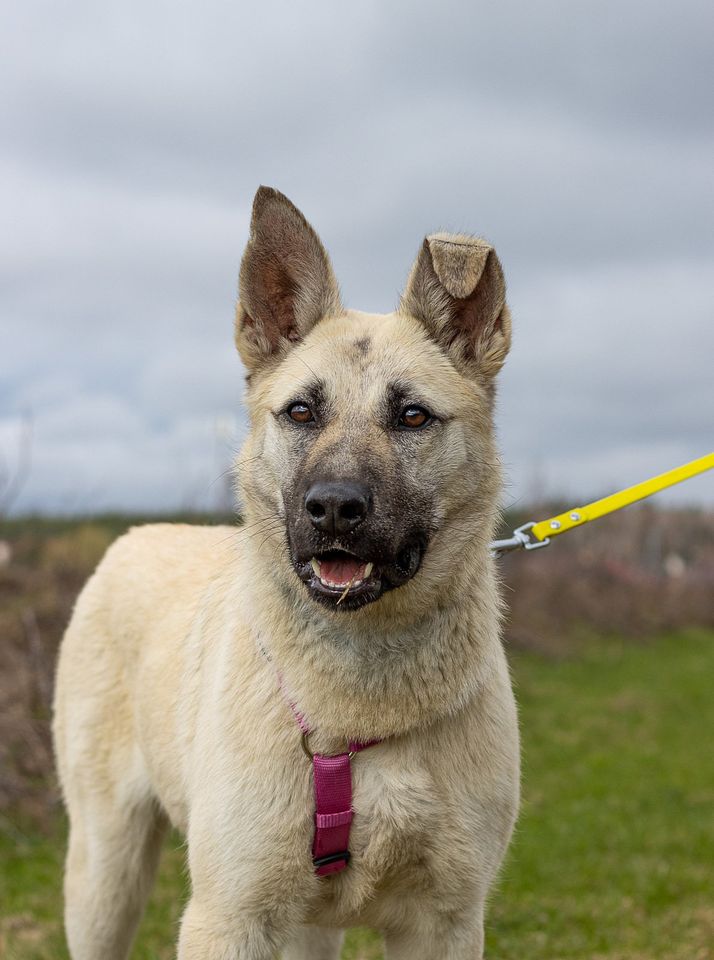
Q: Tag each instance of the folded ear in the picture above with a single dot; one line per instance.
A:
(457, 290)
(286, 281)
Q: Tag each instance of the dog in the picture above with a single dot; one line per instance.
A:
(211, 677)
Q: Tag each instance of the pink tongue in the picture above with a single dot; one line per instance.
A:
(341, 570)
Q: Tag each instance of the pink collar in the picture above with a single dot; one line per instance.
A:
(333, 794)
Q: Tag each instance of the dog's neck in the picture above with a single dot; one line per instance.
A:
(382, 670)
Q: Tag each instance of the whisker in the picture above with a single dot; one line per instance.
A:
(219, 477)
(240, 463)
(305, 363)
(243, 528)
(268, 528)
(265, 540)
(259, 526)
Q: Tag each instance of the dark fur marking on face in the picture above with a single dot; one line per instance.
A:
(397, 396)
(313, 395)
(393, 536)
(403, 394)
(362, 345)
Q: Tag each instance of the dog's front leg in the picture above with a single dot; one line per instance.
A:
(249, 913)
(207, 934)
(249, 861)
(314, 943)
(427, 940)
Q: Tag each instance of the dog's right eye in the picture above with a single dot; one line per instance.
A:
(413, 418)
(300, 413)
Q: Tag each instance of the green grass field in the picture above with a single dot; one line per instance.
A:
(614, 853)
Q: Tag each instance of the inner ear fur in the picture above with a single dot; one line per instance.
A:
(456, 288)
(286, 281)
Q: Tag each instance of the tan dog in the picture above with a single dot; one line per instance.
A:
(362, 578)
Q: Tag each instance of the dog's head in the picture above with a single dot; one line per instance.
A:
(371, 455)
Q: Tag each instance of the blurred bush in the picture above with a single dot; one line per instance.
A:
(38, 584)
(635, 574)
(43, 565)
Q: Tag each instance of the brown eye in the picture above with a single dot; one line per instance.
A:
(300, 413)
(414, 417)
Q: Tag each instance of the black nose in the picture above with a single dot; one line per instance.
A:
(337, 506)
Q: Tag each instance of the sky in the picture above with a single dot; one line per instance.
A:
(577, 137)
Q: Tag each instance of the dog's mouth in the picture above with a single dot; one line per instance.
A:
(346, 581)
(342, 579)
(341, 571)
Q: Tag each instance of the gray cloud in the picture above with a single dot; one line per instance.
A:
(577, 137)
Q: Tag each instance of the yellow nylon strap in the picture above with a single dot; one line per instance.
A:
(577, 516)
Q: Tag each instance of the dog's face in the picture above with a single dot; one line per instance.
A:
(371, 440)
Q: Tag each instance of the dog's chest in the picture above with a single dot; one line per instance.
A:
(396, 808)
(397, 813)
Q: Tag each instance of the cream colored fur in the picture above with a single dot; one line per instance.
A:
(168, 709)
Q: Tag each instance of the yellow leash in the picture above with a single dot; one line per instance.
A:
(533, 535)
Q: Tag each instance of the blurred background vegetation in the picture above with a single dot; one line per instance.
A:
(610, 633)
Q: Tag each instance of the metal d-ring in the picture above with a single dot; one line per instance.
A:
(306, 746)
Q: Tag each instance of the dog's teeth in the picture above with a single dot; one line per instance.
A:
(368, 569)
(315, 564)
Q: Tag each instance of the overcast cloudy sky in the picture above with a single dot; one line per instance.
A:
(577, 136)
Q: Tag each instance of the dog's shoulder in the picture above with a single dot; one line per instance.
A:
(167, 551)
(170, 537)
(154, 572)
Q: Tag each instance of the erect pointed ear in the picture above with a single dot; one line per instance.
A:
(286, 281)
(457, 289)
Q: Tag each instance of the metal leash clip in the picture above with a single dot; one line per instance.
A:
(519, 541)
(577, 516)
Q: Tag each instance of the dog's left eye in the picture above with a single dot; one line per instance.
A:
(300, 413)
(412, 418)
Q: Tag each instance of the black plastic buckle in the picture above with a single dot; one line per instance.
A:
(332, 858)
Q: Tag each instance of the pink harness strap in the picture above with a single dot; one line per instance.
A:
(333, 809)
(333, 813)
(333, 799)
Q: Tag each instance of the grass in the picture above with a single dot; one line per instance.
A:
(613, 855)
